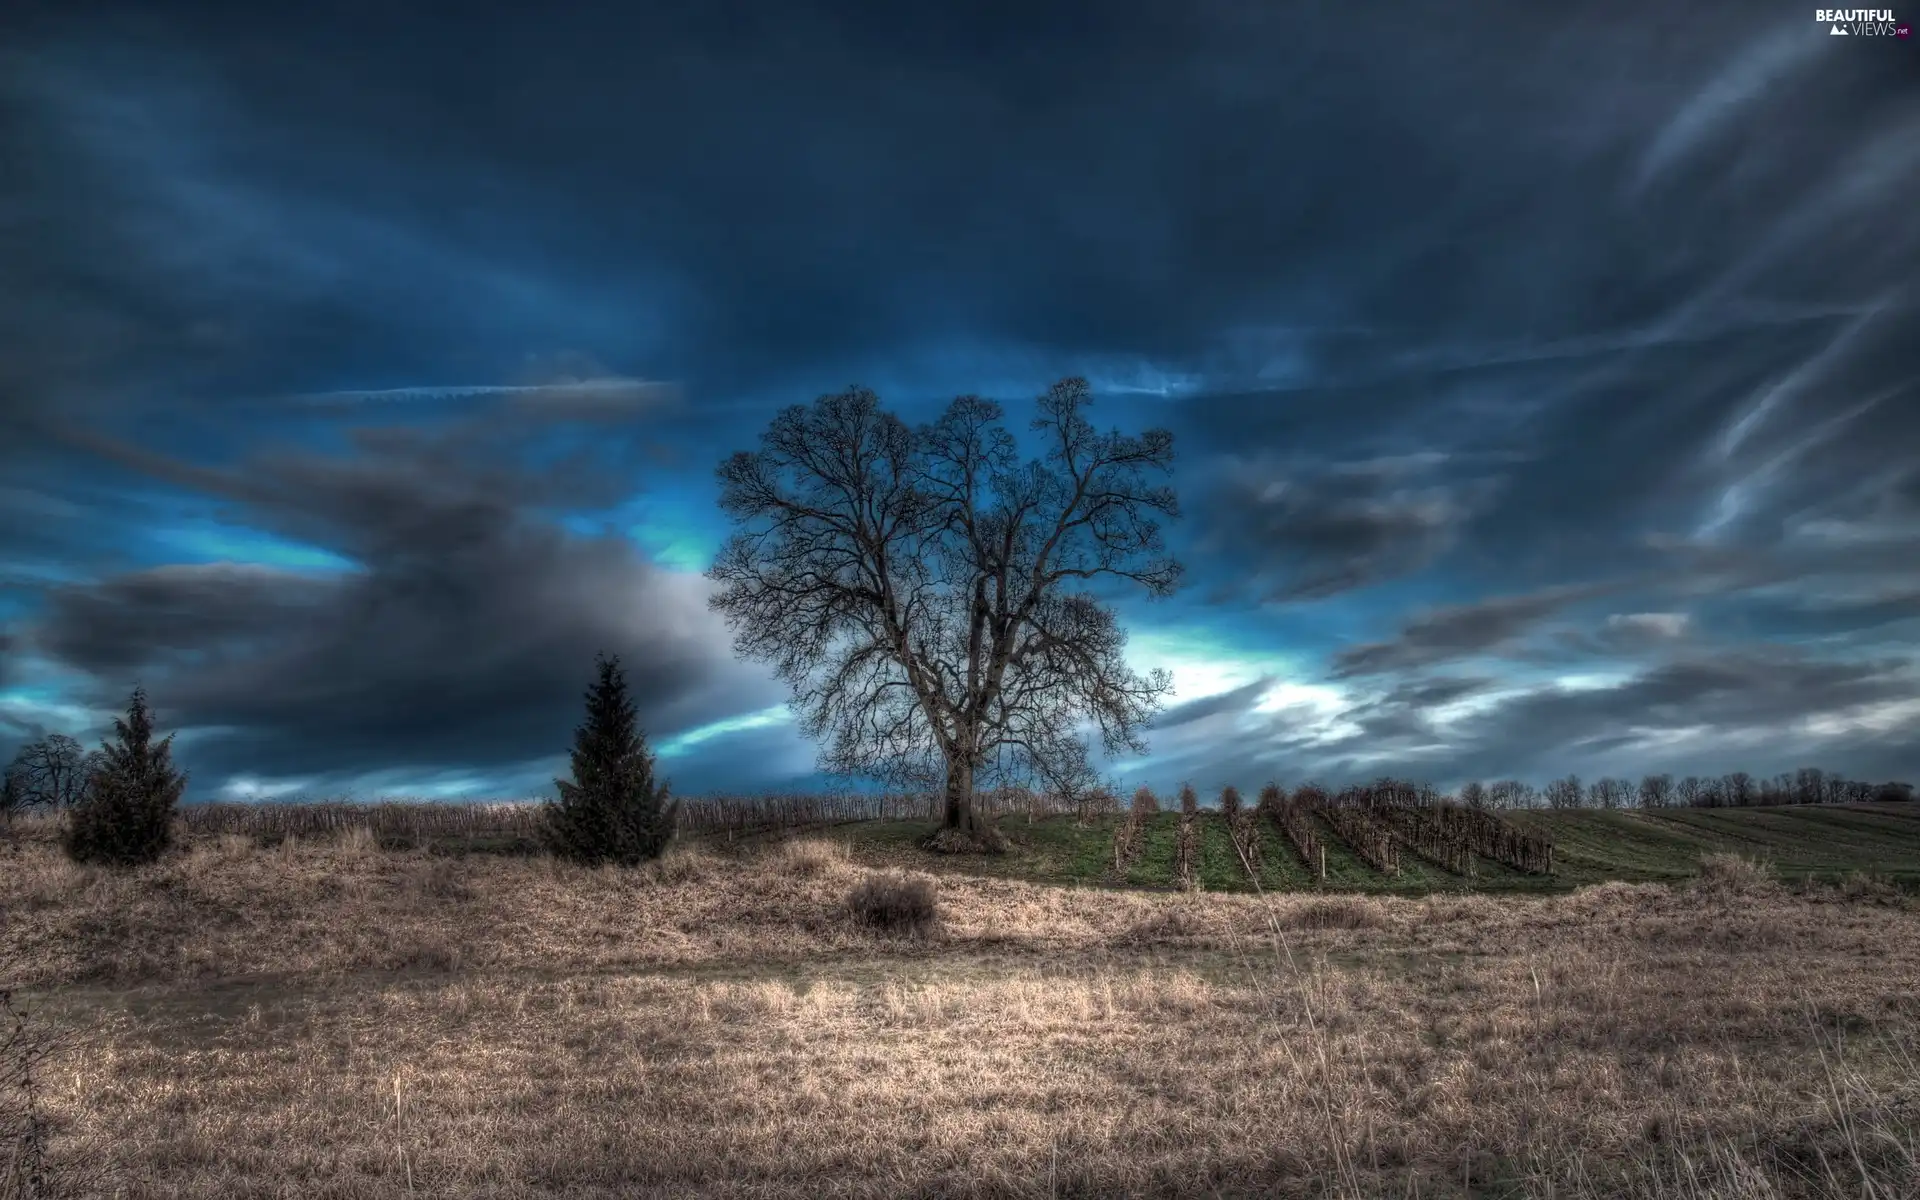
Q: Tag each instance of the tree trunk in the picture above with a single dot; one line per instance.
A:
(960, 812)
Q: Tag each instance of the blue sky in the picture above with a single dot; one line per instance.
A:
(1545, 382)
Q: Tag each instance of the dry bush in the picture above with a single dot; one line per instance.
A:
(895, 902)
(1189, 802)
(1145, 803)
(1734, 874)
(807, 857)
(1230, 801)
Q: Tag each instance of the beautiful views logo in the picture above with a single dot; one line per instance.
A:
(1861, 22)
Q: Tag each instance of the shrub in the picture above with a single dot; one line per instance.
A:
(1230, 801)
(1189, 803)
(895, 903)
(611, 811)
(1145, 803)
(125, 815)
(1272, 798)
(1723, 872)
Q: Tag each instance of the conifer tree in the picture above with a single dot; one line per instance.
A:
(125, 816)
(611, 810)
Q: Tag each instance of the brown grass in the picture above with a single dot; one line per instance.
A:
(325, 1018)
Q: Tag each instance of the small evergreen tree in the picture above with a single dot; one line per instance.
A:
(125, 815)
(611, 810)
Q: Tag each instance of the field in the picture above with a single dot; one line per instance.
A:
(1801, 844)
(335, 1016)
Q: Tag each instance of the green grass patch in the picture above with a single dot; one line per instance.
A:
(1813, 843)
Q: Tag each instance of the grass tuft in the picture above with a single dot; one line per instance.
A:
(1734, 874)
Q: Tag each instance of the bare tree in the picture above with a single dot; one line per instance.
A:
(49, 773)
(1656, 791)
(1512, 793)
(1689, 791)
(909, 586)
(1737, 788)
(1610, 793)
(1809, 786)
(1564, 793)
(1473, 794)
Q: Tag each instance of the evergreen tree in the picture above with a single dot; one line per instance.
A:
(125, 815)
(611, 810)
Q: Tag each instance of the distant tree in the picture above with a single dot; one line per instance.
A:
(1894, 792)
(1473, 794)
(1230, 801)
(1565, 793)
(1310, 796)
(1273, 798)
(48, 773)
(1737, 788)
(1656, 791)
(1189, 802)
(1145, 803)
(611, 811)
(1610, 793)
(1809, 786)
(124, 816)
(911, 587)
(1512, 793)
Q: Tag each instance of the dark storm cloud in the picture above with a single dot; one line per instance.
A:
(1458, 631)
(1539, 297)
(1757, 710)
(1230, 701)
(462, 637)
(1309, 532)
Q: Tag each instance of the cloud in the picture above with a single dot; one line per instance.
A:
(1305, 533)
(1424, 379)
(1233, 700)
(462, 636)
(1460, 630)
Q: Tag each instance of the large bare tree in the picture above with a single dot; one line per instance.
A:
(50, 773)
(915, 588)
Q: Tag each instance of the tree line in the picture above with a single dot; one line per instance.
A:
(1735, 789)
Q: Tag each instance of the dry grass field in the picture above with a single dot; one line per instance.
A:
(328, 1018)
